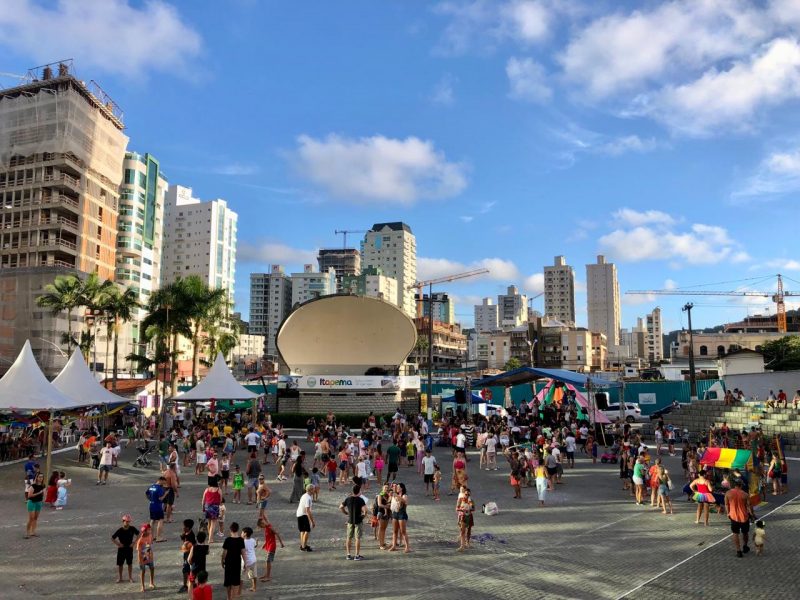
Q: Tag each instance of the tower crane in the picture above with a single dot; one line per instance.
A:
(777, 297)
(419, 285)
(344, 233)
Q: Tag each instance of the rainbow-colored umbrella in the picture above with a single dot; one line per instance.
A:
(728, 458)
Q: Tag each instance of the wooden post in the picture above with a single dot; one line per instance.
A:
(49, 458)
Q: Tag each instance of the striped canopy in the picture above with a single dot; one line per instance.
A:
(727, 458)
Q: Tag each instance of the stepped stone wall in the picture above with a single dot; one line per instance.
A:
(698, 416)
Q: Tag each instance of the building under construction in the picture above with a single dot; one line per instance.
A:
(61, 152)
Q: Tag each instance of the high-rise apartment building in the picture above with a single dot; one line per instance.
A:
(487, 316)
(310, 284)
(371, 282)
(139, 241)
(559, 291)
(392, 248)
(345, 261)
(655, 339)
(61, 151)
(199, 239)
(512, 308)
(603, 302)
(444, 309)
(270, 304)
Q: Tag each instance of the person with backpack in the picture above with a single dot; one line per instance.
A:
(156, 494)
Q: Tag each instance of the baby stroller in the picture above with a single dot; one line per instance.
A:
(142, 460)
(609, 456)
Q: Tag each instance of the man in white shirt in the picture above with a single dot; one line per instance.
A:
(571, 446)
(491, 452)
(461, 442)
(282, 458)
(428, 469)
(252, 440)
(106, 460)
(305, 518)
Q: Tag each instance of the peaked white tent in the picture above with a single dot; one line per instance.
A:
(25, 388)
(218, 384)
(77, 382)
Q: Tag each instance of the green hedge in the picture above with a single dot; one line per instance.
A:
(298, 420)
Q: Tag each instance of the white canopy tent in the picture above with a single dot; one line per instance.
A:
(77, 382)
(218, 384)
(25, 388)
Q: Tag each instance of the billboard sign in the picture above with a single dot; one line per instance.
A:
(356, 382)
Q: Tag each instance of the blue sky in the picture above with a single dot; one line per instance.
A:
(664, 135)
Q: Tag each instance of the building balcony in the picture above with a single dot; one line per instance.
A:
(63, 179)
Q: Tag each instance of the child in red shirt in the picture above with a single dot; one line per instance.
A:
(271, 537)
(202, 591)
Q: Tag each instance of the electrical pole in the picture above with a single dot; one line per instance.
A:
(687, 308)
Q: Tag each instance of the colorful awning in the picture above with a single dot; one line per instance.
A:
(726, 458)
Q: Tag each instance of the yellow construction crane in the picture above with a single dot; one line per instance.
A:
(777, 297)
(419, 285)
(344, 233)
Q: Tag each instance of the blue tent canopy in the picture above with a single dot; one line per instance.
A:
(476, 399)
(528, 374)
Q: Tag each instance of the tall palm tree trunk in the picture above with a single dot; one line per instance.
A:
(173, 365)
(195, 353)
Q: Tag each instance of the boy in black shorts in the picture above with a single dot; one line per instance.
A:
(125, 538)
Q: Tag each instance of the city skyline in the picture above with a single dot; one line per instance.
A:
(501, 133)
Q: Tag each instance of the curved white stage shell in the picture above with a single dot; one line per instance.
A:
(345, 335)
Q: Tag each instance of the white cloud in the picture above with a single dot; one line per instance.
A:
(110, 35)
(784, 264)
(443, 92)
(633, 217)
(729, 97)
(653, 235)
(499, 269)
(379, 168)
(670, 284)
(526, 79)
(623, 52)
(778, 173)
(484, 24)
(274, 253)
(534, 284)
(628, 143)
(466, 218)
(234, 169)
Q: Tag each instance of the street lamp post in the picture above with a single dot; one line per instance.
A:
(91, 316)
(692, 376)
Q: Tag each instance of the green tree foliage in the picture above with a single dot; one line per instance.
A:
(783, 354)
(513, 363)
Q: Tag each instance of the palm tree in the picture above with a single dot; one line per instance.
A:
(167, 318)
(119, 308)
(64, 294)
(219, 337)
(204, 307)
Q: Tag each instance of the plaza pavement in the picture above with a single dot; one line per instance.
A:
(590, 541)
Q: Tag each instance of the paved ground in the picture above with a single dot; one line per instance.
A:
(591, 541)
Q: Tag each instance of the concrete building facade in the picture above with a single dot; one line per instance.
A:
(487, 316)
(603, 299)
(655, 336)
(270, 304)
(576, 349)
(61, 151)
(444, 309)
(199, 239)
(310, 284)
(559, 291)
(345, 261)
(512, 308)
(371, 282)
(392, 247)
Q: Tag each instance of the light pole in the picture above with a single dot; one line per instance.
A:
(91, 316)
(692, 377)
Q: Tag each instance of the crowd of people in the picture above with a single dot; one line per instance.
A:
(537, 445)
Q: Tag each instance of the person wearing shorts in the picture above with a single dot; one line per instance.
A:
(305, 518)
(125, 538)
(740, 512)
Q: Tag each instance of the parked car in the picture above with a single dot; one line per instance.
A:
(632, 412)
